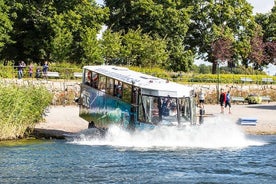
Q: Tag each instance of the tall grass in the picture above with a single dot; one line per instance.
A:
(21, 108)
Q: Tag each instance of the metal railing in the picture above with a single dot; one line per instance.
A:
(76, 74)
(63, 73)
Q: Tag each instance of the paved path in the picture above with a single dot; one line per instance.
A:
(264, 113)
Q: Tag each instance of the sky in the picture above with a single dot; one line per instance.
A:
(259, 6)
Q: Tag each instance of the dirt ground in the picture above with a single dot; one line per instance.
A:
(59, 120)
(65, 119)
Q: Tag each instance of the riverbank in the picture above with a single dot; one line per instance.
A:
(60, 120)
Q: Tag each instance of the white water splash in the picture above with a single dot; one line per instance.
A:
(215, 133)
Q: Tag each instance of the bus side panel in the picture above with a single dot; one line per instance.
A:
(144, 126)
(103, 109)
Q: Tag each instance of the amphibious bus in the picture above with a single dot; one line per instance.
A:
(133, 100)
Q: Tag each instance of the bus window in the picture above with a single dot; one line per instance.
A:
(149, 109)
(141, 110)
(95, 80)
(166, 102)
(155, 110)
(169, 109)
(87, 77)
(118, 89)
(184, 107)
(135, 91)
(102, 83)
(126, 93)
(109, 86)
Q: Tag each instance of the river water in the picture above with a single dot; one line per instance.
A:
(215, 152)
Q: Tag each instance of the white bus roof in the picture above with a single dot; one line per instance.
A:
(148, 84)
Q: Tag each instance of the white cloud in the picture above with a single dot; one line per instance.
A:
(261, 6)
(99, 2)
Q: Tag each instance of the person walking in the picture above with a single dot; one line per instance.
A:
(222, 100)
(227, 101)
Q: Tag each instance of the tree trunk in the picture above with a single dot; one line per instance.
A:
(214, 67)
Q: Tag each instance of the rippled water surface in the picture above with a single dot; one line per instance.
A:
(210, 154)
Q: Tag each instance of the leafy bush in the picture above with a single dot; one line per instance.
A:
(21, 108)
(254, 99)
(227, 78)
(66, 70)
(155, 71)
(7, 71)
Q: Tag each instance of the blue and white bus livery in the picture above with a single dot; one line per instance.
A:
(117, 95)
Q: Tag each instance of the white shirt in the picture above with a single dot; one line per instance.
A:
(201, 96)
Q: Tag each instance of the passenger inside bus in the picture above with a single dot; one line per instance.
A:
(155, 109)
(173, 109)
(134, 95)
(166, 107)
(88, 78)
(102, 87)
(119, 90)
(95, 80)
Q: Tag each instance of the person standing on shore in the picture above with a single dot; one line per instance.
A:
(201, 97)
(227, 101)
(21, 66)
(45, 69)
(31, 70)
(37, 73)
(222, 100)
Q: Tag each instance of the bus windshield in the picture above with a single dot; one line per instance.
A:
(164, 110)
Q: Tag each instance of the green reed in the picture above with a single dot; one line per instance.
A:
(21, 108)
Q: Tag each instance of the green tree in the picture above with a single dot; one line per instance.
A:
(159, 19)
(31, 30)
(81, 18)
(5, 24)
(61, 40)
(111, 44)
(39, 36)
(142, 50)
(91, 47)
(153, 52)
(271, 30)
(234, 16)
(263, 21)
(204, 69)
(180, 59)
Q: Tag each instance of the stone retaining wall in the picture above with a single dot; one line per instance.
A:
(64, 91)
